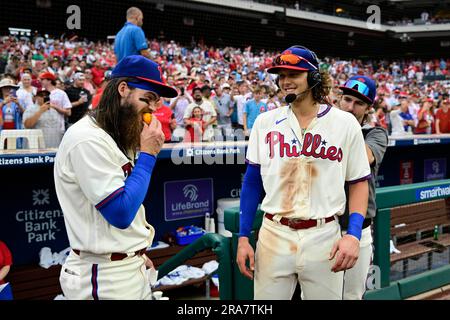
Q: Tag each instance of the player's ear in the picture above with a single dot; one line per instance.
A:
(123, 89)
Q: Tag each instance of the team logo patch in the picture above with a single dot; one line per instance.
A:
(127, 169)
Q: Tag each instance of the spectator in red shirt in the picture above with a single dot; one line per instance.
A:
(443, 118)
(98, 73)
(195, 126)
(425, 118)
(166, 117)
(5, 261)
(96, 98)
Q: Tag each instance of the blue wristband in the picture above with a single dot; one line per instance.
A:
(355, 222)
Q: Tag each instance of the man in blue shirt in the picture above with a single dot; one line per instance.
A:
(252, 110)
(131, 38)
(406, 116)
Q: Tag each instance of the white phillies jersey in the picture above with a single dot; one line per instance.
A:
(90, 169)
(304, 175)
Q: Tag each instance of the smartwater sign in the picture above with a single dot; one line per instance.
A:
(430, 193)
(187, 199)
(435, 169)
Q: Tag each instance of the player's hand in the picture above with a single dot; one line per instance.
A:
(346, 251)
(245, 252)
(152, 137)
(149, 263)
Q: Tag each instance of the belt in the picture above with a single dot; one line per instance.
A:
(297, 224)
(117, 256)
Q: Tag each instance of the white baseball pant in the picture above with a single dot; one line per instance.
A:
(284, 256)
(96, 277)
(356, 277)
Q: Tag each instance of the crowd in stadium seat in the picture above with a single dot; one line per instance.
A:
(357, 11)
(411, 92)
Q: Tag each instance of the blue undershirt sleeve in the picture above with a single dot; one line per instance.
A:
(121, 210)
(252, 188)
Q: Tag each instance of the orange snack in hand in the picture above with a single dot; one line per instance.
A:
(147, 117)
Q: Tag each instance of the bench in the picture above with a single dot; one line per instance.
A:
(34, 282)
(412, 230)
(31, 282)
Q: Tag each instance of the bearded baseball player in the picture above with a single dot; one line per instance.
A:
(301, 155)
(358, 96)
(101, 187)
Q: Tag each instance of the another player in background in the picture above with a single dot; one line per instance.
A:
(101, 187)
(302, 155)
(357, 98)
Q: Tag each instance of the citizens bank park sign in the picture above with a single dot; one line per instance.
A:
(21, 160)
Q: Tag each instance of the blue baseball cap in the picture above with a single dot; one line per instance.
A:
(361, 87)
(147, 75)
(295, 58)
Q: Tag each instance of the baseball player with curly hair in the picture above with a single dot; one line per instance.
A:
(101, 187)
(301, 155)
(358, 96)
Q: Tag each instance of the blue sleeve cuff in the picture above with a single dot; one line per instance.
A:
(148, 160)
(355, 222)
(252, 188)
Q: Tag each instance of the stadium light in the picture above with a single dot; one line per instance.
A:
(19, 31)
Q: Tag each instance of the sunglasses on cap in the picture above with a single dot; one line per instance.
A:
(359, 86)
(291, 59)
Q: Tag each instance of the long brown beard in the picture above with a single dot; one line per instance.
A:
(129, 128)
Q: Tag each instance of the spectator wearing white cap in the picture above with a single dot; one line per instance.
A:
(178, 105)
(10, 106)
(224, 108)
(240, 100)
(26, 92)
(79, 97)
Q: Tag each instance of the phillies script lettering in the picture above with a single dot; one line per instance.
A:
(313, 146)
